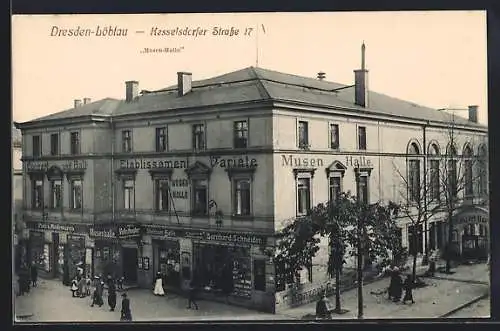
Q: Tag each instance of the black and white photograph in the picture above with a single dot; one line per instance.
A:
(250, 167)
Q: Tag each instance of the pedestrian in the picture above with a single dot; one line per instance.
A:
(408, 286)
(323, 308)
(25, 279)
(81, 286)
(126, 314)
(88, 285)
(398, 287)
(111, 295)
(97, 296)
(34, 274)
(119, 283)
(74, 287)
(193, 291)
(392, 285)
(158, 286)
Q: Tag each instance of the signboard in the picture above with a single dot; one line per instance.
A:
(240, 238)
(471, 219)
(57, 227)
(112, 231)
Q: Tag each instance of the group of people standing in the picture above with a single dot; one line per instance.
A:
(27, 278)
(397, 285)
(82, 287)
(192, 291)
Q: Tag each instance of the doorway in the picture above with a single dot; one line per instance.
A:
(129, 258)
(55, 254)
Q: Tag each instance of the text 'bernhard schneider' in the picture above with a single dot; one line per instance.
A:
(155, 31)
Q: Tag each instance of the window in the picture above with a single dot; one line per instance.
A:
(161, 139)
(334, 136)
(468, 181)
(361, 137)
(240, 134)
(303, 196)
(415, 241)
(126, 141)
(483, 171)
(335, 188)
(362, 189)
(452, 172)
(434, 185)
(76, 194)
(54, 144)
(414, 180)
(37, 194)
(128, 194)
(162, 194)
(56, 194)
(242, 197)
(37, 146)
(259, 275)
(200, 197)
(303, 140)
(75, 143)
(198, 136)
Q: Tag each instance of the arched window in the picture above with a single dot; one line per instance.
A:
(434, 178)
(413, 163)
(483, 170)
(451, 170)
(468, 181)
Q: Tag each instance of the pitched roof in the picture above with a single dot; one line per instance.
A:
(105, 106)
(257, 84)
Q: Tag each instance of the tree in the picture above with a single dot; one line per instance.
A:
(353, 228)
(414, 204)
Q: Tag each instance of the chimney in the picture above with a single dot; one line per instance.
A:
(361, 82)
(473, 113)
(321, 75)
(86, 100)
(131, 90)
(184, 80)
(78, 103)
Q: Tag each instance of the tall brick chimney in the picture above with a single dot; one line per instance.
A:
(78, 103)
(473, 113)
(184, 83)
(131, 90)
(86, 101)
(361, 82)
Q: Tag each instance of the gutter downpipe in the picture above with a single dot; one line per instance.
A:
(426, 227)
(111, 166)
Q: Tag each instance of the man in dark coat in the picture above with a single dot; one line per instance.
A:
(408, 286)
(34, 274)
(126, 314)
(111, 295)
(323, 308)
(97, 297)
(398, 288)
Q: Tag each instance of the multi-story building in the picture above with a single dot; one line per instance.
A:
(19, 244)
(193, 180)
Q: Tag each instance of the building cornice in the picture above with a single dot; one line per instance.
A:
(43, 124)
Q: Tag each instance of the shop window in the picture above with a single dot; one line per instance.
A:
(362, 138)
(168, 263)
(161, 139)
(240, 134)
(37, 146)
(37, 194)
(76, 198)
(126, 141)
(200, 197)
(259, 272)
(56, 194)
(303, 134)
(199, 137)
(224, 268)
(75, 143)
(128, 194)
(54, 144)
(37, 249)
(334, 136)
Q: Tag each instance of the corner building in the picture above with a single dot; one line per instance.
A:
(193, 180)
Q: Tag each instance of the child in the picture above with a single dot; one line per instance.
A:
(74, 287)
(119, 282)
(88, 285)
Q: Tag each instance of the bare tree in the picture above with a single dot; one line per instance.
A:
(415, 204)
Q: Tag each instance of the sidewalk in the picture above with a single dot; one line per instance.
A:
(443, 294)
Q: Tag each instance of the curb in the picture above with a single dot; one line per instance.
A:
(465, 305)
(468, 281)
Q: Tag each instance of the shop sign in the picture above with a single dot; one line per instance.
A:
(154, 164)
(115, 232)
(71, 228)
(313, 162)
(235, 162)
(227, 237)
(37, 165)
(472, 219)
(75, 165)
(160, 232)
(128, 231)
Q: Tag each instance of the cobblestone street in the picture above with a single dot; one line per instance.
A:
(52, 302)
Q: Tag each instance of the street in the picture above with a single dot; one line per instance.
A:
(52, 302)
(478, 309)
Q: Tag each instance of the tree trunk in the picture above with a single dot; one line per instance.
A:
(338, 308)
(449, 246)
(414, 269)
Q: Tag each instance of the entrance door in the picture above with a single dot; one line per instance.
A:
(129, 256)
(469, 247)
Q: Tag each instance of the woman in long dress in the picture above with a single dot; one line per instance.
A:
(158, 290)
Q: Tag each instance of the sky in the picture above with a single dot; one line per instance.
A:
(435, 59)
